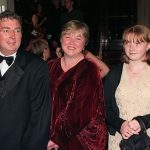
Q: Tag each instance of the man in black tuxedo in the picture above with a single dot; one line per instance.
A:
(24, 91)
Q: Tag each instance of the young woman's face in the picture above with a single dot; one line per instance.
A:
(136, 50)
(73, 42)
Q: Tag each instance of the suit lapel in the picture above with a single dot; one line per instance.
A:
(11, 77)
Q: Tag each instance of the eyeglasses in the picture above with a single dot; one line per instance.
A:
(6, 30)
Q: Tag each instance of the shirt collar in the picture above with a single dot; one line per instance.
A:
(14, 55)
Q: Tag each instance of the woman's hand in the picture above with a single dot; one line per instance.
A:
(134, 124)
(51, 145)
(127, 129)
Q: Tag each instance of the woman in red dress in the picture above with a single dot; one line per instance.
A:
(78, 116)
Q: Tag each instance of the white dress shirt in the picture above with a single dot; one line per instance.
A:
(4, 66)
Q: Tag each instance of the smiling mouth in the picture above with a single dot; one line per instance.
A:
(71, 48)
(132, 53)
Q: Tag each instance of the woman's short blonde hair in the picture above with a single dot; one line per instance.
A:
(137, 33)
(76, 25)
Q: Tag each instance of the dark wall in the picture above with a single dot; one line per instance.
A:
(91, 11)
(116, 15)
(107, 16)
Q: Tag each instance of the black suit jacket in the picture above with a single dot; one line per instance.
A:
(25, 104)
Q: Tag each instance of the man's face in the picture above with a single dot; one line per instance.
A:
(68, 4)
(10, 36)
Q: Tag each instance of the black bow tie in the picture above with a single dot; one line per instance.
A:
(9, 60)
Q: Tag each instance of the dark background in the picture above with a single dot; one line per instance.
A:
(107, 17)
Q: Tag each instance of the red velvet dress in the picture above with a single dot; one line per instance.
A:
(78, 117)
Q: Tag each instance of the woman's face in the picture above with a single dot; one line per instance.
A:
(136, 50)
(46, 54)
(73, 42)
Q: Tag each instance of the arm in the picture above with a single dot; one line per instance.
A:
(97, 126)
(112, 111)
(103, 68)
(40, 108)
(43, 20)
(145, 119)
(35, 21)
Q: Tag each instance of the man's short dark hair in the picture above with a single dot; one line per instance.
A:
(10, 15)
